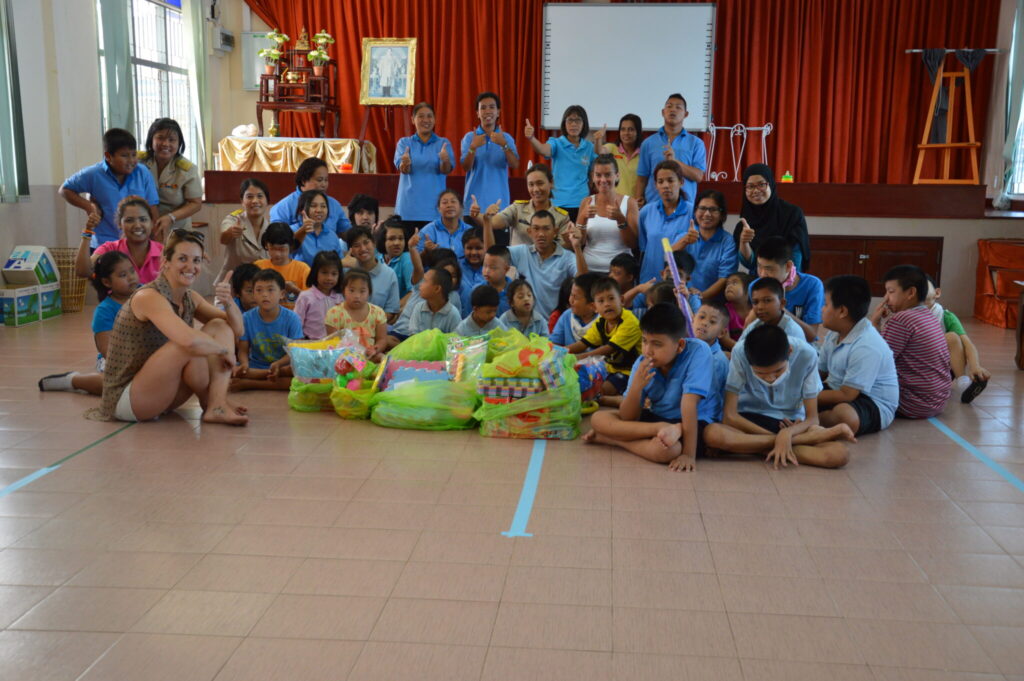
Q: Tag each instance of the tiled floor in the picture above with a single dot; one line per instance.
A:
(306, 547)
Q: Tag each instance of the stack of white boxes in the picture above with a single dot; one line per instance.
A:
(31, 286)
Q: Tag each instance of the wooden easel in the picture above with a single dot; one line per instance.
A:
(947, 147)
(402, 111)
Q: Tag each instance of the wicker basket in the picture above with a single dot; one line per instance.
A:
(72, 286)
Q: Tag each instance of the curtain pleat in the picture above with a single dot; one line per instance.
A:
(847, 103)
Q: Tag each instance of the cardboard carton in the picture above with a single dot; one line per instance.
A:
(20, 304)
(30, 265)
(49, 301)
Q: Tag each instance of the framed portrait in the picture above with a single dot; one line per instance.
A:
(388, 74)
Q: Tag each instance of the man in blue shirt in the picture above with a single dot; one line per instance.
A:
(311, 174)
(118, 175)
(862, 386)
(671, 143)
(545, 264)
(488, 154)
(805, 294)
(771, 405)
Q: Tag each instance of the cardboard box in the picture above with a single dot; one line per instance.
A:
(30, 265)
(49, 301)
(20, 305)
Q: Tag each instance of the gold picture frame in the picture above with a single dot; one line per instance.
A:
(393, 61)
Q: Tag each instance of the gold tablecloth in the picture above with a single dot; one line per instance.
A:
(284, 154)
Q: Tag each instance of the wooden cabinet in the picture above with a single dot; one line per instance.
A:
(871, 257)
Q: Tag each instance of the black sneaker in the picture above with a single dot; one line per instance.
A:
(973, 390)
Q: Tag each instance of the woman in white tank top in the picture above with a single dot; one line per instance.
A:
(607, 220)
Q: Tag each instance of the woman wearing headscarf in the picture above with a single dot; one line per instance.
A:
(765, 215)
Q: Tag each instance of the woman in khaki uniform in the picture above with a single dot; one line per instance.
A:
(241, 230)
(176, 178)
(516, 217)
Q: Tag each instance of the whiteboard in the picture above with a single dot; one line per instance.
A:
(621, 58)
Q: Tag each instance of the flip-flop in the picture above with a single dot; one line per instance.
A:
(588, 407)
(973, 390)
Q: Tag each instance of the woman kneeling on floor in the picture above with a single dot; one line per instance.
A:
(156, 360)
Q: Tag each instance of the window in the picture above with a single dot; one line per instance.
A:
(1016, 184)
(158, 47)
(13, 167)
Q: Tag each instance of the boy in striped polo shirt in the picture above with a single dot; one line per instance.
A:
(917, 341)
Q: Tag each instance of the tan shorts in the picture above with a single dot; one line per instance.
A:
(123, 411)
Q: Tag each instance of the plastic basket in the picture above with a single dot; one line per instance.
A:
(72, 286)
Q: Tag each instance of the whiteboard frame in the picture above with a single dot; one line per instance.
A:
(709, 86)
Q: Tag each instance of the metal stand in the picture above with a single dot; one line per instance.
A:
(739, 130)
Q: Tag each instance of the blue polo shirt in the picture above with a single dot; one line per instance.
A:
(689, 149)
(503, 305)
(783, 399)
(563, 334)
(385, 288)
(715, 258)
(806, 299)
(488, 178)
(439, 234)
(468, 327)
(285, 211)
(471, 278)
(106, 191)
(788, 324)
(654, 226)
(570, 166)
(538, 323)
(327, 240)
(419, 188)
(689, 374)
(862, 361)
(447, 319)
(402, 265)
(719, 373)
(545, 276)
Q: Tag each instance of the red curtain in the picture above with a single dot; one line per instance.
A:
(847, 103)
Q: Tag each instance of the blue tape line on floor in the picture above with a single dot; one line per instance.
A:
(522, 517)
(994, 465)
(32, 477)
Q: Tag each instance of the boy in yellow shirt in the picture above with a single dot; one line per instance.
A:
(615, 336)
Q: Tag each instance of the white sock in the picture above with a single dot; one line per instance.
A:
(963, 383)
(58, 382)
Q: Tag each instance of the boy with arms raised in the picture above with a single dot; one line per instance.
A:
(862, 390)
(771, 404)
(662, 416)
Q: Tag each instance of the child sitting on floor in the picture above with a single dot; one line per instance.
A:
(523, 314)
(662, 415)
(771, 405)
(434, 311)
(278, 241)
(241, 285)
(970, 378)
(804, 292)
(495, 270)
(471, 265)
(359, 314)
(263, 362)
(615, 336)
(685, 265)
(323, 293)
(709, 324)
(400, 254)
(917, 341)
(384, 282)
(737, 302)
(114, 279)
(484, 316)
(580, 313)
(624, 270)
(860, 374)
(768, 306)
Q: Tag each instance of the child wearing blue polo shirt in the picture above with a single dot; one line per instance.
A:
(312, 233)
(263, 362)
(710, 323)
(401, 255)
(662, 415)
(312, 173)
(580, 314)
(118, 175)
(771, 405)
(545, 264)
(862, 389)
(522, 314)
(671, 143)
(434, 311)
(488, 153)
(571, 156)
(768, 308)
(384, 282)
(805, 294)
(484, 316)
(495, 270)
(472, 265)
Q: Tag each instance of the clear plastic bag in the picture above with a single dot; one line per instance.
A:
(426, 345)
(303, 396)
(351, 402)
(549, 415)
(426, 405)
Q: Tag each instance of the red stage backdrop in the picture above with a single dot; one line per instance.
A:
(847, 103)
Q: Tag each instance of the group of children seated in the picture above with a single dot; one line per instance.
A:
(757, 376)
